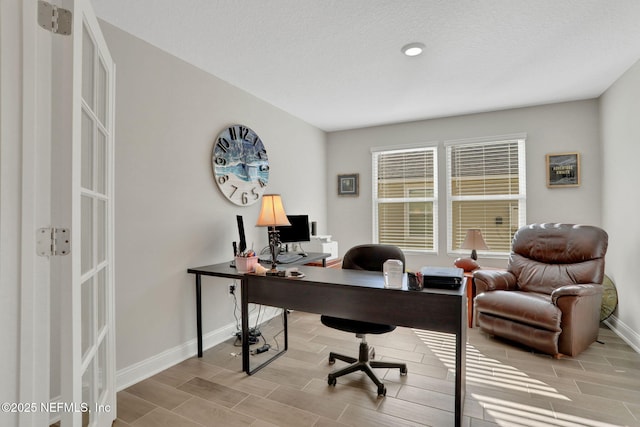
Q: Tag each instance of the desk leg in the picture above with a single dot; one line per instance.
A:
(244, 306)
(461, 365)
(285, 321)
(244, 316)
(199, 312)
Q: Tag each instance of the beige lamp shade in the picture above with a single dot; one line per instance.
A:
(272, 212)
(474, 240)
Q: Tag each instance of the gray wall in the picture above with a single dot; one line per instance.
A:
(620, 118)
(169, 213)
(572, 126)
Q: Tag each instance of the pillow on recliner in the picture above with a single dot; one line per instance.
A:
(548, 257)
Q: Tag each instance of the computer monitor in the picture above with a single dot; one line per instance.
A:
(298, 231)
(243, 241)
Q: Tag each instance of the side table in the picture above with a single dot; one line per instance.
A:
(471, 293)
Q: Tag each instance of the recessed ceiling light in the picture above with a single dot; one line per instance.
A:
(413, 49)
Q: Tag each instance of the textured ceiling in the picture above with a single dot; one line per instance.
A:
(337, 63)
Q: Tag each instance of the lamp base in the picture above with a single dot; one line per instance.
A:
(467, 264)
(274, 248)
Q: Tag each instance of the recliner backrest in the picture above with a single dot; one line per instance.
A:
(371, 257)
(547, 256)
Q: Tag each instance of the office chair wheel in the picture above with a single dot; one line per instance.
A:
(332, 360)
(382, 390)
(403, 371)
(331, 380)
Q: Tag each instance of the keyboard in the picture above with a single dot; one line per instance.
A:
(284, 258)
(288, 258)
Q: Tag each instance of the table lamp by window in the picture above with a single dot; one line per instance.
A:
(272, 215)
(473, 240)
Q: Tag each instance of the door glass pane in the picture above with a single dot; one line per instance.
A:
(101, 299)
(101, 162)
(87, 68)
(102, 369)
(101, 107)
(101, 232)
(87, 151)
(88, 394)
(87, 316)
(86, 257)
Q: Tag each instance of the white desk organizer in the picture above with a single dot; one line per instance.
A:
(322, 244)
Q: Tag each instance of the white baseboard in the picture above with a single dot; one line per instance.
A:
(627, 334)
(146, 368)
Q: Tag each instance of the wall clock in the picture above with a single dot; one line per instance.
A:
(240, 165)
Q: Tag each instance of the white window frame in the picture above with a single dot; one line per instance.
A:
(375, 153)
(521, 197)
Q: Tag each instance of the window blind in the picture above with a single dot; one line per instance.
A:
(486, 190)
(405, 198)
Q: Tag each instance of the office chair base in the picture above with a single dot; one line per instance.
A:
(364, 364)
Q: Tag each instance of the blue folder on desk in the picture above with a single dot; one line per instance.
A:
(442, 277)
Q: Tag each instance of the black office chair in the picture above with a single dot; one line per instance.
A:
(371, 258)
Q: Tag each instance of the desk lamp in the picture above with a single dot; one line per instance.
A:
(473, 240)
(272, 215)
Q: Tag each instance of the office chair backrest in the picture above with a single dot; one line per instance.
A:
(371, 257)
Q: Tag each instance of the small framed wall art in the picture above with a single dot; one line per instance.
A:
(348, 184)
(563, 170)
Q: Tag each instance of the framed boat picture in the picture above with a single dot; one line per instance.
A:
(348, 184)
(563, 170)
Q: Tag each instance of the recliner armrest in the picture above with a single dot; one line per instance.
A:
(494, 280)
(576, 290)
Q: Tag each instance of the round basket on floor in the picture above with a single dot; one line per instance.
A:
(609, 298)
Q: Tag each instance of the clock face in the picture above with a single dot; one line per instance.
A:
(240, 165)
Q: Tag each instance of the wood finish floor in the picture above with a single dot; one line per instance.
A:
(506, 385)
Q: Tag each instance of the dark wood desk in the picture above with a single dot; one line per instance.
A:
(225, 270)
(361, 295)
(353, 294)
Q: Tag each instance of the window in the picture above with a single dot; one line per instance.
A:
(485, 190)
(405, 198)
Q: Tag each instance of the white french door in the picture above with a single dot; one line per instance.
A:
(57, 108)
(84, 87)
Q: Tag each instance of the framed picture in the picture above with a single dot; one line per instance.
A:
(563, 170)
(348, 184)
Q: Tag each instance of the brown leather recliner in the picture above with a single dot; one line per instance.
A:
(549, 298)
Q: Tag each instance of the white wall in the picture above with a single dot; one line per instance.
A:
(620, 122)
(572, 126)
(169, 213)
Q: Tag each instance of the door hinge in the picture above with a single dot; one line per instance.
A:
(53, 241)
(54, 18)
